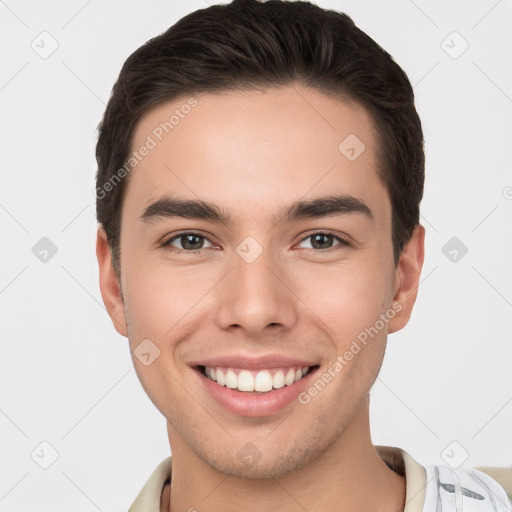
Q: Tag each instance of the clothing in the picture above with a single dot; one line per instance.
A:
(428, 489)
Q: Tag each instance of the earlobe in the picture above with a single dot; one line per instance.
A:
(407, 278)
(109, 284)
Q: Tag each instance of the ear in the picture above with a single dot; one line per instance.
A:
(109, 284)
(407, 278)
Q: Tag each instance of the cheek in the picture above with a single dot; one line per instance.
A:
(154, 306)
(163, 301)
(346, 298)
(156, 303)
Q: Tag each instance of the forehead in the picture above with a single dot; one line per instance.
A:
(256, 150)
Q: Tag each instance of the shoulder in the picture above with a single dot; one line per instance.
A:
(463, 489)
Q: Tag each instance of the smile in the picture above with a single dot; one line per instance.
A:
(262, 381)
(257, 393)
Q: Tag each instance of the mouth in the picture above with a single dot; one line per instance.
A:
(256, 382)
(254, 386)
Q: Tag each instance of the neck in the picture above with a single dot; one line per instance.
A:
(348, 476)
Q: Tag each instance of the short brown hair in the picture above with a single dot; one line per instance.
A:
(248, 44)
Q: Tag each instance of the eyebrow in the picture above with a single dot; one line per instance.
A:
(317, 208)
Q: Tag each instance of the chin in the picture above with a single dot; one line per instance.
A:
(273, 464)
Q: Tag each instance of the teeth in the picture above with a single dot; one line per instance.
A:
(279, 379)
(261, 381)
(221, 379)
(245, 381)
(290, 377)
(231, 379)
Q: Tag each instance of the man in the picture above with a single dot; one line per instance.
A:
(260, 172)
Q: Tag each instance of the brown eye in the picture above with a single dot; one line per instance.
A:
(189, 242)
(321, 241)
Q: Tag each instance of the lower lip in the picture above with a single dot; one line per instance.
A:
(255, 404)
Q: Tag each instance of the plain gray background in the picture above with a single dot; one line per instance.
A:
(67, 378)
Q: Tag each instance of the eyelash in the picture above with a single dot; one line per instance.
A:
(166, 244)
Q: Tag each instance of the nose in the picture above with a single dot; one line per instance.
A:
(257, 295)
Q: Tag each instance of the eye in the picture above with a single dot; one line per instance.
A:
(323, 240)
(190, 242)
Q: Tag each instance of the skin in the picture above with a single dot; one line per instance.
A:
(252, 153)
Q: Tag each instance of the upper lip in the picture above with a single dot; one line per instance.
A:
(253, 362)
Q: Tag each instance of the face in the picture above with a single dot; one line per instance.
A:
(257, 284)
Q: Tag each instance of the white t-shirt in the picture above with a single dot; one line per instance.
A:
(428, 489)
